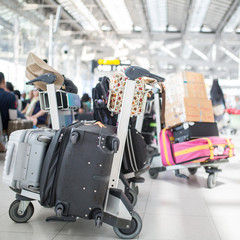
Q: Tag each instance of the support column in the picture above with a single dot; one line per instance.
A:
(16, 49)
(50, 43)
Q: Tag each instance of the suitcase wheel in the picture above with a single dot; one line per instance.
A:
(212, 180)
(132, 197)
(20, 217)
(153, 173)
(133, 230)
(192, 171)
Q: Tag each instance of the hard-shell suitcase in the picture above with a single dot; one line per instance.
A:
(25, 153)
(19, 124)
(76, 176)
(197, 150)
(185, 132)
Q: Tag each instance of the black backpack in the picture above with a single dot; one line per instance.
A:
(100, 98)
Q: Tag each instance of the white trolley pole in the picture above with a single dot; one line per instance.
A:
(114, 206)
(54, 114)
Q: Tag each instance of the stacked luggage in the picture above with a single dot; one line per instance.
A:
(107, 102)
(190, 138)
(76, 168)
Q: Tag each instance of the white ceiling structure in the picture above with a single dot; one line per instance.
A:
(164, 35)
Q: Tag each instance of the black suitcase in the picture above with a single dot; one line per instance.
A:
(135, 152)
(197, 130)
(76, 169)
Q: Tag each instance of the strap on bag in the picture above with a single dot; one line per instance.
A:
(231, 146)
(163, 92)
(211, 148)
(164, 135)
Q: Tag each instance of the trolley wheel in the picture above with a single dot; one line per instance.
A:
(132, 196)
(13, 212)
(153, 173)
(134, 229)
(135, 189)
(192, 171)
(212, 180)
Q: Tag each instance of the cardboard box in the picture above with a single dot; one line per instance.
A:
(186, 84)
(188, 110)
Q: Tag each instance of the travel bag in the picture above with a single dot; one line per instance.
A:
(100, 97)
(77, 168)
(189, 131)
(19, 124)
(25, 153)
(135, 152)
(197, 150)
(116, 90)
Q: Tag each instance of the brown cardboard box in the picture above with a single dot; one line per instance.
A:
(188, 84)
(189, 110)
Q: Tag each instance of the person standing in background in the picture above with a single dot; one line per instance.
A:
(7, 101)
(85, 104)
(10, 88)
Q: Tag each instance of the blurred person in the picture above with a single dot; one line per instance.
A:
(85, 104)
(218, 100)
(27, 101)
(19, 102)
(34, 112)
(237, 102)
(9, 87)
(7, 101)
(23, 100)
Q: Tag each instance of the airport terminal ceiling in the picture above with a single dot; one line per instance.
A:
(163, 35)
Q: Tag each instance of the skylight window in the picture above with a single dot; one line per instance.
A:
(119, 14)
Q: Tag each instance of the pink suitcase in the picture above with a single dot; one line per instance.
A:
(197, 150)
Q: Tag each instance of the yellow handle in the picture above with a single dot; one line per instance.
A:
(211, 148)
(231, 146)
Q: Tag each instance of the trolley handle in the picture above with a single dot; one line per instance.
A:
(47, 78)
(134, 72)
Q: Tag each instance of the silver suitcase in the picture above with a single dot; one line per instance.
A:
(24, 157)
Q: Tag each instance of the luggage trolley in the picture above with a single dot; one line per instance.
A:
(117, 210)
(156, 166)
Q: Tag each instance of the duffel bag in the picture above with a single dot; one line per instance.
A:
(197, 150)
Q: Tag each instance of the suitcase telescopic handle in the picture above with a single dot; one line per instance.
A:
(134, 72)
(9, 155)
(45, 139)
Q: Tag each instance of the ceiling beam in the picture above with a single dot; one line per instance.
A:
(227, 17)
(66, 15)
(6, 24)
(146, 17)
(18, 8)
(101, 8)
(194, 63)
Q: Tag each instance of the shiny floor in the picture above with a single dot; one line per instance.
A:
(171, 209)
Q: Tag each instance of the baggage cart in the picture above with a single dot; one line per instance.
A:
(117, 210)
(156, 166)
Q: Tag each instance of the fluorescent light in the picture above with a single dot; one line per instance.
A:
(119, 14)
(199, 53)
(199, 12)
(168, 51)
(157, 11)
(230, 54)
(173, 45)
(233, 22)
(214, 52)
(81, 13)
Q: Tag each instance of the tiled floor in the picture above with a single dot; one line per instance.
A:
(171, 209)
